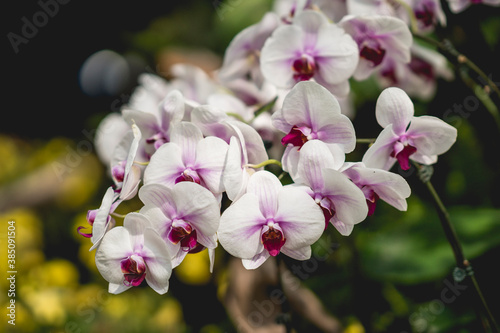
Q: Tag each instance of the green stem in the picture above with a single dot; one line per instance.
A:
(411, 14)
(260, 165)
(368, 141)
(460, 259)
(447, 48)
(236, 115)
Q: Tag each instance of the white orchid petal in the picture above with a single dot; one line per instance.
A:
(240, 227)
(165, 166)
(431, 135)
(349, 201)
(256, 261)
(158, 264)
(299, 217)
(394, 107)
(379, 154)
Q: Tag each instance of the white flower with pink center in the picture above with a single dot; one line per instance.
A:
(404, 136)
(133, 253)
(342, 202)
(186, 216)
(310, 112)
(378, 37)
(269, 219)
(310, 48)
(188, 157)
(378, 184)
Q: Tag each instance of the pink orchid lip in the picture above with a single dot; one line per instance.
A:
(272, 238)
(298, 136)
(403, 156)
(371, 198)
(118, 171)
(134, 270)
(295, 137)
(373, 54)
(304, 68)
(184, 233)
(422, 68)
(188, 175)
(157, 140)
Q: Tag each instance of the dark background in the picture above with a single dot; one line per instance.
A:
(42, 94)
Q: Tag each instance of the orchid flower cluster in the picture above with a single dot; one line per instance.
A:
(187, 146)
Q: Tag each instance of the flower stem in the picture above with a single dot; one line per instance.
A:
(460, 259)
(368, 141)
(260, 165)
(448, 49)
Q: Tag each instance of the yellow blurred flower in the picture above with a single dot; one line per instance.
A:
(354, 327)
(168, 317)
(55, 273)
(194, 269)
(47, 306)
(79, 183)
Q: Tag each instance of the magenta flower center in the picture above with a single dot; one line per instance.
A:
(421, 68)
(273, 239)
(425, 14)
(134, 270)
(157, 140)
(295, 137)
(403, 156)
(188, 175)
(184, 233)
(118, 171)
(373, 52)
(371, 198)
(303, 68)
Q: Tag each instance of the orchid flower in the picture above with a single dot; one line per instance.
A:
(186, 216)
(428, 14)
(151, 90)
(418, 77)
(194, 84)
(110, 132)
(310, 48)
(100, 219)
(404, 136)
(156, 127)
(133, 253)
(342, 202)
(269, 219)
(378, 37)
(214, 122)
(188, 157)
(127, 176)
(288, 9)
(375, 7)
(378, 184)
(310, 112)
(457, 6)
(242, 56)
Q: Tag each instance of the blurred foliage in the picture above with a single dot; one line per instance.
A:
(389, 276)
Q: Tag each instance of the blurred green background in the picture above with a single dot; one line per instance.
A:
(388, 276)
